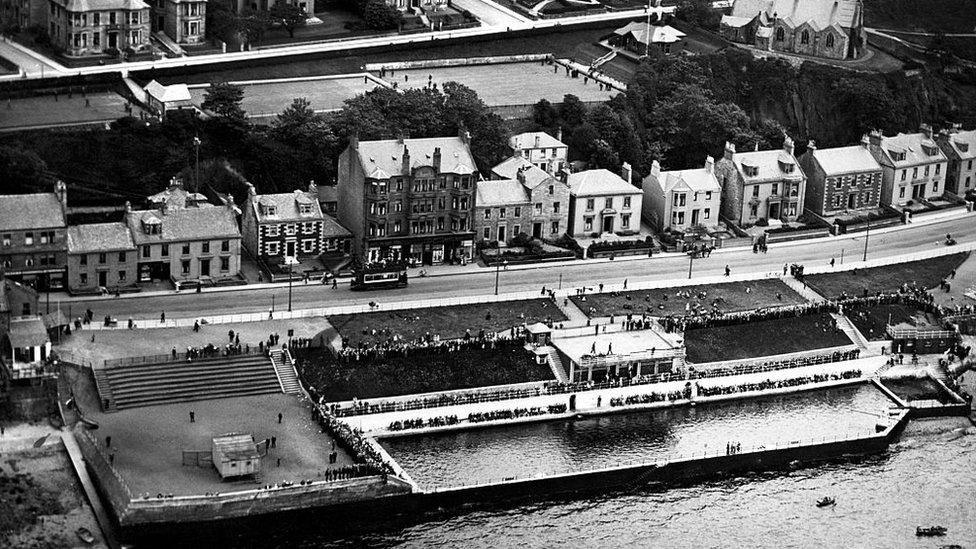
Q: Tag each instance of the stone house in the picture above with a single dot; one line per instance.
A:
(761, 185)
(601, 201)
(90, 27)
(818, 28)
(913, 167)
(533, 202)
(184, 21)
(33, 242)
(681, 199)
(841, 179)
(540, 149)
(960, 148)
(409, 199)
(101, 256)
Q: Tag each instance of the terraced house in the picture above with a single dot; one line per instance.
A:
(913, 166)
(821, 28)
(101, 257)
(33, 242)
(186, 246)
(409, 199)
(292, 224)
(90, 27)
(960, 148)
(841, 179)
(761, 184)
(531, 202)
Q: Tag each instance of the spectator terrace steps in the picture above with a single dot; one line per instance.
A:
(138, 385)
(104, 390)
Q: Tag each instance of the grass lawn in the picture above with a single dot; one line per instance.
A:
(726, 297)
(926, 273)
(871, 321)
(448, 322)
(765, 338)
(921, 15)
(421, 372)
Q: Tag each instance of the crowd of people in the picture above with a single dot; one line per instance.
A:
(648, 398)
(769, 366)
(354, 443)
(419, 423)
(481, 417)
(424, 345)
(675, 323)
(777, 384)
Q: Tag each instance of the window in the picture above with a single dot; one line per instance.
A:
(224, 264)
(6, 240)
(904, 174)
(626, 202)
(83, 259)
(681, 218)
(487, 213)
(309, 245)
(205, 248)
(901, 192)
(775, 190)
(122, 257)
(753, 210)
(935, 186)
(926, 171)
(625, 220)
(272, 248)
(552, 190)
(518, 211)
(555, 207)
(589, 204)
(830, 41)
(47, 237)
(780, 35)
(755, 191)
(708, 213)
(102, 258)
(968, 178)
(146, 252)
(915, 173)
(587, 223)
(805, 37)
(165, 250)
(938, 169)
(501, 213)
(538, 208)
(185, 267)
(708, 195)
(555, 227)
(186, 249)
(487, 233)
(608, 203)
(679, 199)
(225, 246)
(95, 19)
(83, 279)
(121, 276)
(111, 18)
(134, 18)
(29, 239)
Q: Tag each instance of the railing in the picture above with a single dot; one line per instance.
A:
(221, 352)
(587, 361)
(706, 453)
(908, 333)
(758, 365)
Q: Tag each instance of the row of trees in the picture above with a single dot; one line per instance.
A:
(249, 25)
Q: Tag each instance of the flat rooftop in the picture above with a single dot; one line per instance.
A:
(623, 343)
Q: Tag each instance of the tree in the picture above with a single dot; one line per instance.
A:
(22, 169)
(224, 100)
(379, 15)
(572, 111)
(288, 16)
(252, 25)
(698, 12)
(544, 115)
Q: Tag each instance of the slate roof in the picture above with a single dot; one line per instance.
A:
(500, 192)
(768, 163)
(286, 207)
(733, 21)
(384, 159)
(30, 211)
(184, 225)
(508, 168)
(99, 237)
(332, 228)
(841, 160)
(658, 34)
(963, 140)
(819, 13)
(599, 182)
(911, 144)
(27, 332)
(103, 5)
(168, 94)
(527, 141)
(175, 196)
(695, 180)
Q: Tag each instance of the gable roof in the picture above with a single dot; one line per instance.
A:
(598, 182)
(184, 225)
(958, 141)
(508, 168)
(768, 163)
(286, 206)
(819, 13)
(733, 21)
(30, 211)
(27, 332)
(384, 159)
(696, 180)
(236, 447)
(651, 34)
(332, 228)
(99, 237)
(527, 141)
(168, 94)
(912, 145)
(840, 160)
(499, 192)
(175, 196)
(10, 288)
(103, 5)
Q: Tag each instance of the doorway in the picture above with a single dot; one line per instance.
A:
(290, 249)
(851, 201)
(204, 267)
(537, 230)
(113, 40)
(694, 216)
(103, 278)
(774, 211)
(572, 403)
(608, 224)
(501, 233)
(918, 191)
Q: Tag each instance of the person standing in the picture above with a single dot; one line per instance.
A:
(728, 271)
(162, 317)
(279, 418)
(193, 417)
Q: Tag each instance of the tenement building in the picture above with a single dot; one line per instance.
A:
(276, 226)
(533, 202)
(187, 246)
(33, 244)
(913, 166)
(841, 179)
(409, 199)
(101, 257)
(87, 27)
(682, 199)
(960, 148)
(819, 28)
(760, 185)
(601, 201)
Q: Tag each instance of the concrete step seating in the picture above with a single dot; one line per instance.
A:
(104, 389)
(139, 385)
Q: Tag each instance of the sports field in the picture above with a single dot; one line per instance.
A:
(46, 110)
(268, 98)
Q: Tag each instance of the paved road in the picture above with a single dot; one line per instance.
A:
(36, 65)
(893, 243)
(490, 13)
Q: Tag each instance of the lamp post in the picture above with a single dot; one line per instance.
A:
(497, 269)
(867, 236)
(272, 302)
(291, 261)
(691, 262)
(196, 180)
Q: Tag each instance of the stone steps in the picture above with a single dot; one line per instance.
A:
(287, 376)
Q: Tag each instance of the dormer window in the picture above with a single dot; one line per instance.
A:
(269, 209)
(152, 225)
(930, 150)
(897, 156)
(962, 146)
(751, 171)
(305, 209)
(786, 167)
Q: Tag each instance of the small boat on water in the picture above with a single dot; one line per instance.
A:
(930, 531)
(826, 501)
(85, 535)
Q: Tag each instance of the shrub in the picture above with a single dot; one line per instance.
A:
(379, 15)
(608, 246)
(761, 222)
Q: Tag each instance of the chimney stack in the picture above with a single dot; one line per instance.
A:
(61, 191)
(128, 207)
(251, 192)
(811, 145)
(354, 141)
(866, 141)
(537, 140)
(788, 145)
(437, 160)
(313, 189)
(627, 172)
(465, 135)
(926, 130)
(559, 134)
(400, 137)
(520, 174)
(405, 166)
(709, 165)
(729, 151)
(230, 202)
(875, 139)
(656, 170)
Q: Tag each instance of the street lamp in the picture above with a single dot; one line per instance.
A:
(291, 261)
(196, 181)
(867, 236)
(497, 269)
(691, 261)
